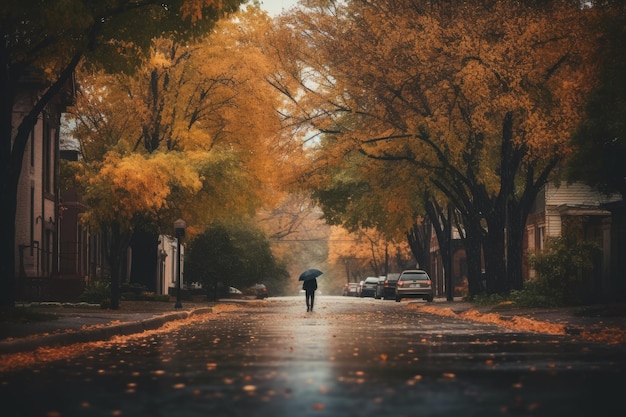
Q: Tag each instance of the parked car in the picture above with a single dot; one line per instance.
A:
(359, 288)
(259, 290)
(234, 293)
(389, 286)
(380, 288)
(368, 289)
(414, 283)
(350, 289)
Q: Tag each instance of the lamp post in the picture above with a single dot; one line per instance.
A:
(179, 227)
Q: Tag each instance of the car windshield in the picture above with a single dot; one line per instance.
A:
(415, 275)
(372, 280)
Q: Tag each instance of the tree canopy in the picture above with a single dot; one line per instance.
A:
(473, 101)
(43, 45)
(199, 118)
(600, 142)
(236, 255)
(197, 139)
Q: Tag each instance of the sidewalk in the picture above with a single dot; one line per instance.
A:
(55, 324)
(65, 324)
(597, 323)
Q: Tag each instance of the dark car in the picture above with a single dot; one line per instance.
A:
(414, 283)
(389, 286)
(368, 289)
(380, 288)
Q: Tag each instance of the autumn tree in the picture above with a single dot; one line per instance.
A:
(47, 41)
(196, 140)
(298, 234)
(235, 254)
(478, 97)
(600, 142)
(366, 252)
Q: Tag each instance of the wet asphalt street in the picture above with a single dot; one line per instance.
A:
(350, 357)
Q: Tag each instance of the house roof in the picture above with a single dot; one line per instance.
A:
(582, 210)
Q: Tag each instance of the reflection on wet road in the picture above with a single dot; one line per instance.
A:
(351, 357)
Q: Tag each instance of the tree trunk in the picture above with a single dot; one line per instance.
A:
(442, 227)
(12, 160)
(419, 242)
(7, 250)
(515, 246)
(118, 244)
(473, 254)
(8, 189)
(495, 255)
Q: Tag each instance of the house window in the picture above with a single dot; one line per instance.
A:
(32, 218)
(540, 238)
(48, 163)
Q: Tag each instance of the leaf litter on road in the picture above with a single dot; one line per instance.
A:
(608, 335)
(46, 354)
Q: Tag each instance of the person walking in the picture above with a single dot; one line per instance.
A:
(309, 286)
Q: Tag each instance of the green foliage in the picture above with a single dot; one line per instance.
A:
(97, 292)
(562, 267)
(601, 138)
(561, 270)
(535, 294)
(236, 255)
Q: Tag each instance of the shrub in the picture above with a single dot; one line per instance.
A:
(561, 269)
(97, 291)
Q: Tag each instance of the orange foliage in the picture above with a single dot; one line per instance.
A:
(199, 134)
(431, 87)
(609, 335)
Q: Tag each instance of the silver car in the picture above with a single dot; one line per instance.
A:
(414, 283)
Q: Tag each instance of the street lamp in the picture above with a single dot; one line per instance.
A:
(179, 226)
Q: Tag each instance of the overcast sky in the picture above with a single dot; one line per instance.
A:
(275, 7)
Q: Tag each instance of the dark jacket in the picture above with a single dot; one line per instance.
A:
(310, 285)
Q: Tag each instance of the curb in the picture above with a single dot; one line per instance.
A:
(95, 334)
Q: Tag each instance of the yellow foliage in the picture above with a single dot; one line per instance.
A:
(199, 134)
(125, 186)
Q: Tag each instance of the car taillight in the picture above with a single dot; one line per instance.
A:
(400, 283)
(429, 282)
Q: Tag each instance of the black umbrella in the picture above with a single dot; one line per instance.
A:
(310, 274)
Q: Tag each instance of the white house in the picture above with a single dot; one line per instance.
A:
(556, 203)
